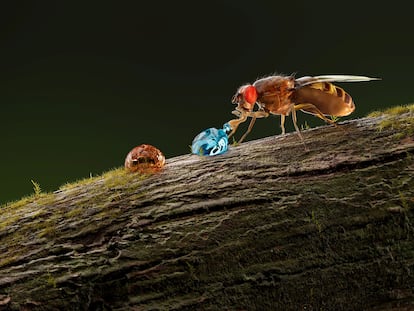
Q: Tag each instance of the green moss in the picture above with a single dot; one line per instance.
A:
(403, 126)
(17, 204)
(235, 143)
(49, 230)
(401, 109)
(114, 178)
(305, 126)
(393, 111)
(51, 281)
(117, 177)
(41, 214)
(404, 201)
(77, 183)
(36, 188)
(7, 260)
(316, 221)
(335, 118)
(396, 120)
(74, 212)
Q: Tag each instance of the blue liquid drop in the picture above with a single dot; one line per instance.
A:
(211, 142)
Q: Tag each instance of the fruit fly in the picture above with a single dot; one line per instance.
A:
(144, 159)
(282, 95)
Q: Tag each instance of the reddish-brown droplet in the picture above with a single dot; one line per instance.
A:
(144, 159)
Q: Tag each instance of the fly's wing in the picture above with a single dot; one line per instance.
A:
(320, 93)
(303, 81)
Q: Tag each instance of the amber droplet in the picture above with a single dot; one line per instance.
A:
(144, 159)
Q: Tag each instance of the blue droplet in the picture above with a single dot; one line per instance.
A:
(227, 128)
(210, 142)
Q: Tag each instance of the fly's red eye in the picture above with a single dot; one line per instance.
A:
(250, 94)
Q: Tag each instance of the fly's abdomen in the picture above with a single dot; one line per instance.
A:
(328, 98)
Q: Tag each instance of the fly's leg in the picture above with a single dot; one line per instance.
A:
(248, 129)
(254, 115)
(234, 124)
(315, 111)
(282, 123)
(295, 121)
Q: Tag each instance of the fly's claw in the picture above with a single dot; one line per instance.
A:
(211, 141)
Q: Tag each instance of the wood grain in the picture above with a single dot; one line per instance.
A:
(267, 226)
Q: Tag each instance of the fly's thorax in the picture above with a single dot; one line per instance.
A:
(274, 84)
(274, 94)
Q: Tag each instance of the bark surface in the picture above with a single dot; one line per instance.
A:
(269, 225)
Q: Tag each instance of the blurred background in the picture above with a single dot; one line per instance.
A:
(82, 83)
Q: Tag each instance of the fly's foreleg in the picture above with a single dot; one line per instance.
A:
(254, 115)
(234, 124)
(243, 115)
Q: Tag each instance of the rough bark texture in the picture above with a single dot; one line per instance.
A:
(267, 226)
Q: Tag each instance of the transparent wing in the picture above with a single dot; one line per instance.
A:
(332, 78)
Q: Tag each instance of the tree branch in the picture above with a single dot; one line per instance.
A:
(266, 226)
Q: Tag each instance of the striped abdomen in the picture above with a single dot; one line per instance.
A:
(328, 98)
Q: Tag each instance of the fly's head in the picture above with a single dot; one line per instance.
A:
(245, 98)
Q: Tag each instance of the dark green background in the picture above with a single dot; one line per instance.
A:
(81, 83)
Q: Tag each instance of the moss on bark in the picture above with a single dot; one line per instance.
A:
(268, 225)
